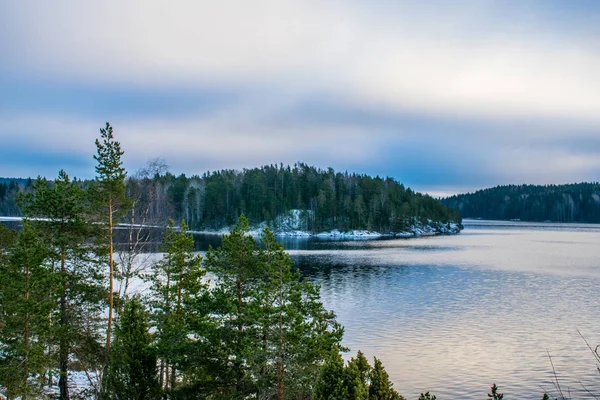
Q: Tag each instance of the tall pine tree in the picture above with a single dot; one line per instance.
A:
(110, 196)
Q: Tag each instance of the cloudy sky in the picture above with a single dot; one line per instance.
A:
(445, 96)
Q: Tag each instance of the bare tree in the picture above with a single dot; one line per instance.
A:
(139, 236)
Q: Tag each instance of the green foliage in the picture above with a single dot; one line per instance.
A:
(329, 199)
(176, 283)
(579, 202)
(60, 211)
(132, 374)
(330, 383)
(427, 396)
(495, 395)
(109, 168)
(265, 330)
(26, 302)
(380, 387)
(355, 381)
(297, 332)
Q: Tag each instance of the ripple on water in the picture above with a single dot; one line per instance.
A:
(452, 315)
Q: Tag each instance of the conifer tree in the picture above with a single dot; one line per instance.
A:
(299, 332)
(132, 374)
(356, 377)
(59, 211)
(25, 306)
(495, 394)
(110, 197)
(175, 279)
(237, 268)
(380, 387)
(330, 383)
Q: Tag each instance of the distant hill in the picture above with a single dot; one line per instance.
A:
(328, 199)
(577, 202)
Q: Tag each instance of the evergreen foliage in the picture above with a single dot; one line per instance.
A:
(355, 381)
(267, 330)
(132, 373)
(26, 303)
(58, 211)
(495, 394)
(176, 280)
(328, 199)
(578, 202)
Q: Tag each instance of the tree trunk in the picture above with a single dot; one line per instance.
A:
(162, 373)
(173, 377)
(111, 281)
(280, 349)
(27, 327)
(63, 381)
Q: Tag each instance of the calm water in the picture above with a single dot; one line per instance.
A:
(454, 314)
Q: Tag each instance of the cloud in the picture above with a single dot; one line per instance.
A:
(441, 95)
(443, 58)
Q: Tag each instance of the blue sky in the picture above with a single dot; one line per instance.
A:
(445, 96)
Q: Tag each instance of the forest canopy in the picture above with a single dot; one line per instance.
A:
(328, 199)
(577, 202)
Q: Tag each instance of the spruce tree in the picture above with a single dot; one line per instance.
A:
(495, 394)
(109, 194)
(132, 372)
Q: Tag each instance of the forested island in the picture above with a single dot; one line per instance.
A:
(577, 202)
(289, 199)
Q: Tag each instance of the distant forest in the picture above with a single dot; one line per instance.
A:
(578, 202)
(330, 200)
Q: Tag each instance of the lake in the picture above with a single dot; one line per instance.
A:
(454, 314)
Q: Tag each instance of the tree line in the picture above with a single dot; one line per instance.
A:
(578, 202)
(328, 199)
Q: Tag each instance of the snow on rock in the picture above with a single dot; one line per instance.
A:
(294, 223)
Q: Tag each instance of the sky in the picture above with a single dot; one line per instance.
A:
(444, 96)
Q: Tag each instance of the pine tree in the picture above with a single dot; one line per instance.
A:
(356, 377)
(381, 387)
(495, 395)
(176, 279)
(237, 268)
(25, 306)
(330, 383)
(59, 210)
(132, 373)
(112, 202)
(297, 332)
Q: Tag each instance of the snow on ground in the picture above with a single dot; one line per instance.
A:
(294, 224)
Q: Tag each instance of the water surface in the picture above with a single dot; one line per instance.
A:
(454, 314)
